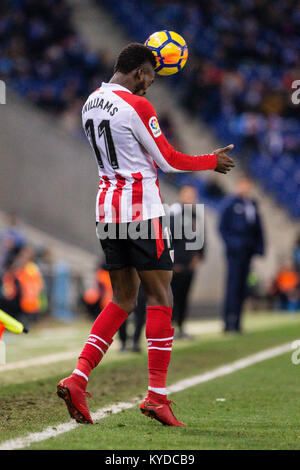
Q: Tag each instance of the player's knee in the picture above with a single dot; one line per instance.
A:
(128, 304)
(163, 297)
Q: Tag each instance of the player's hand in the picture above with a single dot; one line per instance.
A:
(224, 162)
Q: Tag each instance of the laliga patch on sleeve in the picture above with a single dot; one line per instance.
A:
(154, 126)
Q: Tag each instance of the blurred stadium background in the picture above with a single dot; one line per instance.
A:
(235, 88)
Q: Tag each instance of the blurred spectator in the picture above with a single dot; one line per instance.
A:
(296, 254)
(12, 241)
(254, 291)
(185, 261)
(45, 262)
(241, 230)
(169, 129)
(22, 288)
(213, 188)
(96, 297)
(285, 290)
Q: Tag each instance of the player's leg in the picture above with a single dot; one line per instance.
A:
(151, 254)
(139, 319)
(185, 288)
(181, 283)
(243, 277)
(125, 284)
(123, 335)
(231, 302)
(159, 334)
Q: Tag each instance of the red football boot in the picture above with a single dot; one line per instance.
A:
(160, 411)
(75, 398)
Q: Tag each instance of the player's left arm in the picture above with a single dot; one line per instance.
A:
(145, 126)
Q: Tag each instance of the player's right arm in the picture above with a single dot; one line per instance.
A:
(145, 127)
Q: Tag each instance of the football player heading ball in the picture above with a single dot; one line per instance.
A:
(123, 130)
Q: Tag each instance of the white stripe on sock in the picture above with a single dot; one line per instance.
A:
(78, 372)
(160, 339)
(98, 337)
(92, 344)
(161, 349)
(161, 391)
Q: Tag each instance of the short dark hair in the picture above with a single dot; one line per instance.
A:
(133, 56)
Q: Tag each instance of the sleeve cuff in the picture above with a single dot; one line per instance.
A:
(207, 162)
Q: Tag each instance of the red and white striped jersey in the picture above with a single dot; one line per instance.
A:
(129, 146)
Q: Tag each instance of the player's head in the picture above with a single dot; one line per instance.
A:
(187, 194)
(137, 62)
(244, 186)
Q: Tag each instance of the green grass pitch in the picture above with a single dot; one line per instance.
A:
(259, 407)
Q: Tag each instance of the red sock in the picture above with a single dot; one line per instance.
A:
(157, 397)
(99, 340)
(159, 334)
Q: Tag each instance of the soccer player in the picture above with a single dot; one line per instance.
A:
(123, 130)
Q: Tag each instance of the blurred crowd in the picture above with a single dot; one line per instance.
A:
(44, 58)
(24, 274)
(32, 282)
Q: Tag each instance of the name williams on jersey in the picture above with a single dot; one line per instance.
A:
(102, 104)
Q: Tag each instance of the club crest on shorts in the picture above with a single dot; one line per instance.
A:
(154, 126)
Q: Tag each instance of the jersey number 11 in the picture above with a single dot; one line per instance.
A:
(103, 130)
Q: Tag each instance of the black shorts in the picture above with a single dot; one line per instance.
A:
(145, 245)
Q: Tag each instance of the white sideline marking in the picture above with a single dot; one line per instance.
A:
(39, 361)
(229, 368)
(53, 431)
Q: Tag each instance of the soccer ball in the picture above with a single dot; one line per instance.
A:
(170, 50)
